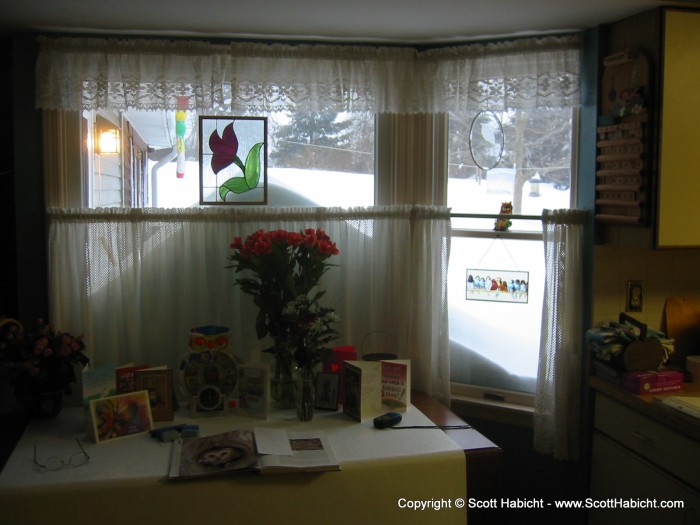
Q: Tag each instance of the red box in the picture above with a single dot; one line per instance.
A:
(652, 382)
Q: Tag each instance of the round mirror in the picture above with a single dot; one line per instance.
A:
(486, 140)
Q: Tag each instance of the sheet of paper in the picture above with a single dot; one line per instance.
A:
(272, 441)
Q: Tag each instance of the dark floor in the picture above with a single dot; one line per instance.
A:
(531, 477)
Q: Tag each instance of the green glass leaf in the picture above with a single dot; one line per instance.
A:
(253, 165)
(236, 185)
(239, 163)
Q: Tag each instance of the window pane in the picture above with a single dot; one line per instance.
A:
(105, 166)
(534, 172)
(321, 159)
(495, 344)
(318, 159)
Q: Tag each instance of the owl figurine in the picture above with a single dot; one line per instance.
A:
(502, 224)
(208, 338)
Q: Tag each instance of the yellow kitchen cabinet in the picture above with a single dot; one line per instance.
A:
(678, 220)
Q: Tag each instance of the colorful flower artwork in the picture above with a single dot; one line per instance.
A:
(225, 177)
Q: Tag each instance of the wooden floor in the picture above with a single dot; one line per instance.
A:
(529, 475)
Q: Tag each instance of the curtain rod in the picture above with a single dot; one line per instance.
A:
(495, 216)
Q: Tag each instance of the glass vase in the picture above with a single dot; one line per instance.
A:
(282, 385)
(306, 393)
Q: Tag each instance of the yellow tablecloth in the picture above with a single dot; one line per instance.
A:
(406, 476)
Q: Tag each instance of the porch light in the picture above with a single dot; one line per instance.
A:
(108, 142)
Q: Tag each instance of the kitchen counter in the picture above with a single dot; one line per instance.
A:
(650, 407)
(643, 451)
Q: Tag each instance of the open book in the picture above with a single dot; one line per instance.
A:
(236, 451)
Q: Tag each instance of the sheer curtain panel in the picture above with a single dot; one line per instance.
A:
(558, 389)
(136, 281)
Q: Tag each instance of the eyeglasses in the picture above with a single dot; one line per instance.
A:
(78, 459)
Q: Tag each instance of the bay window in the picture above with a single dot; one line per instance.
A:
(376, 137)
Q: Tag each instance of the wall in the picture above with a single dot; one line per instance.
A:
(8, 250)
(30, 218)
(627, 253)
(29, 184)
(664, 273)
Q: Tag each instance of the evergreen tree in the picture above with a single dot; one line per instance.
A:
(314, 140)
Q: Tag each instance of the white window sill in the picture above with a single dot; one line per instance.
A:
(507, 407)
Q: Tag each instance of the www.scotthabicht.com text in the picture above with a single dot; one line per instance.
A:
(588, 503)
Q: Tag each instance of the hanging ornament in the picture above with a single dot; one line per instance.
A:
(180, 129)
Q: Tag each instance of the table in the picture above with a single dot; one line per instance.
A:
(484, 458)
(385, 474)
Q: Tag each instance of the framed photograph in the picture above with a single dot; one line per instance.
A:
(505, 286)
(327, 385)
(253, 390)
(232, 160)
(120, 416)
(159, 384)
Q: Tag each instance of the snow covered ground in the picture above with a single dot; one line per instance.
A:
(286, 187)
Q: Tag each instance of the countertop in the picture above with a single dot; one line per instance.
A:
(649, 406)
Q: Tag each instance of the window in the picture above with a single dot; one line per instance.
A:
(494, 345)
(314, 159)
(287, 83)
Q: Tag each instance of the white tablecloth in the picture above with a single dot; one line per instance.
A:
(384, 475)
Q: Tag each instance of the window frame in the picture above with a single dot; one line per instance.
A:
(479, 400)
(130, 139)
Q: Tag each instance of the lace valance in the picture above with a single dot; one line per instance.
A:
(122, 74)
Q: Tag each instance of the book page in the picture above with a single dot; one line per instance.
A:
(311, 452)
(224, 453)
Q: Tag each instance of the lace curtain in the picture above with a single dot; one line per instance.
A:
(92, 73)
(142, 278)
(558, 389)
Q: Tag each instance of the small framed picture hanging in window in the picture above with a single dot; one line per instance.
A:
(504, 286)
(232, 160)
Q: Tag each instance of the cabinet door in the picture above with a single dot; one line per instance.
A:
(617, 473)
(679, 161)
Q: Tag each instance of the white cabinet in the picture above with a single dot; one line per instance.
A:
(639, 461)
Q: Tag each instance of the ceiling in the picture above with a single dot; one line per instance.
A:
(406, 22)
(371, 21)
